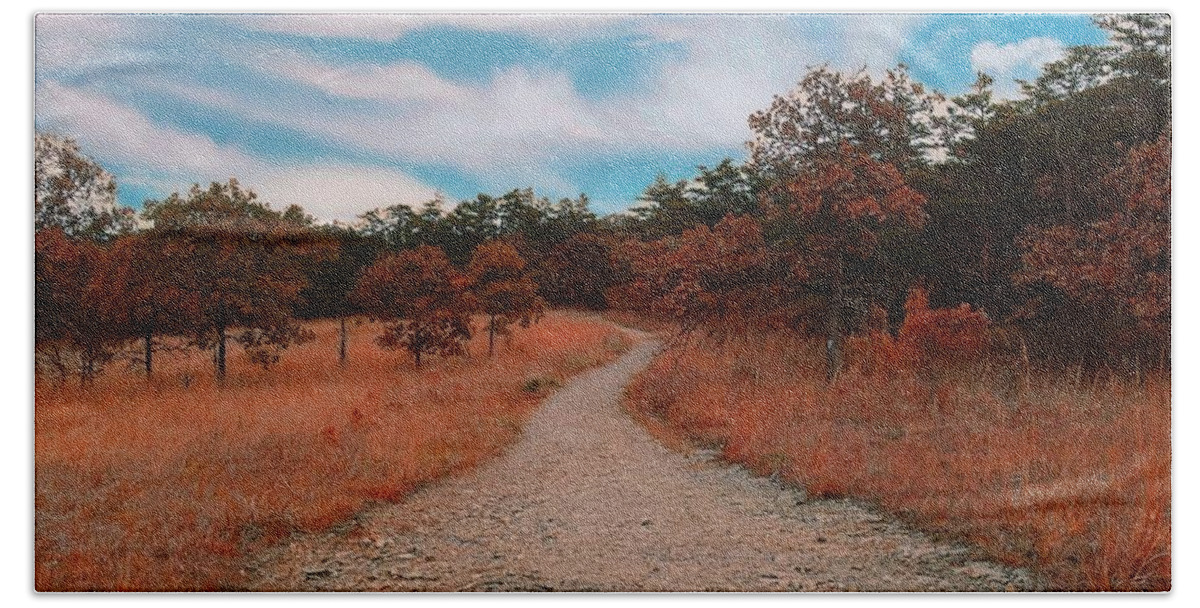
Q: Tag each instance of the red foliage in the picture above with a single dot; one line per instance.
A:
(503, 288)
(721, 276)
(1070, 479)
(73, 334)
(236, 263)
(844, 201)
(942, 337)
(422, 297)
(1119, 267)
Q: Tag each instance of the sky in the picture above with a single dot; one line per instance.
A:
(345, 113)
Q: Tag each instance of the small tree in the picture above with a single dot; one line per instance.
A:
(503, 288)
(422, 298)
(243, 264)
(141, 292)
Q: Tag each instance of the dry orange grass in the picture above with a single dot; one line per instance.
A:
(165, 485)
(1070, 478)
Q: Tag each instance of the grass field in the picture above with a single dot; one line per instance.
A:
(166, 484)
(1069, 477)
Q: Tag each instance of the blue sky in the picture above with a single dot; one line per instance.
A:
(344, 113)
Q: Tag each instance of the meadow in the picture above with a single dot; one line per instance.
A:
(167, 483)
(1064, 473)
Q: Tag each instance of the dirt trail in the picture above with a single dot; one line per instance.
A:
(588, 500)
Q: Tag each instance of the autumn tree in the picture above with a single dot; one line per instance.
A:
(1040, 161)
(331, 279)
(893, 121)
(71, 333)
(243, 266)
(141, 291)
(837, 149)
(723, 277)
(503, 288)
(423, 300)
(1116, 271)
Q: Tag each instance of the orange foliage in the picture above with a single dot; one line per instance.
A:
(503, 288)
(1119, 267)
(422, 297)
(720, 275)
(942, 337)
(1068, 478)
(165, 484)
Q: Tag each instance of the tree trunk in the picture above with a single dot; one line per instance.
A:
(221, 354)
(833, 326)
(148, 341)
(342, 344)
(492, 335)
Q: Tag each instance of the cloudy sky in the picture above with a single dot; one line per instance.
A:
(345, 113)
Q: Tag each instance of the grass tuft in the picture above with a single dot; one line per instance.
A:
(167, 484)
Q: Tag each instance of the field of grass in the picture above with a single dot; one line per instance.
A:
(1069, 477)
(166, 484)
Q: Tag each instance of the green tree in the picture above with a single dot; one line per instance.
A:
(74, 193)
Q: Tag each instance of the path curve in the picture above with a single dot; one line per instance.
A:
(587, 500)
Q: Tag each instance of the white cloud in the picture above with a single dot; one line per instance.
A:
(387, 27)
(84, 41)
(166, 159)
(403, 81)
(113, 131)
(698, 102)
(337, 192)
(515, 127)
(1016, 60)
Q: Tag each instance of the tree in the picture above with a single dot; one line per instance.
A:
(726, 189)
(140, 289)
(74, 193)
(503, 288)
(1118, 269)
(829, 224)
(892, 121)
(422, 298)
(720, 277)
(837, 150)
(578, 271)
(243, 266)
(332, 278)
(470, 224)
(1039, 163)
(70, 331)
(665, 208)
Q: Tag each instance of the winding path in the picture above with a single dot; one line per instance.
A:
(587, 500)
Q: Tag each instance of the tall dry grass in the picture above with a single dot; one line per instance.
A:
(1067, 476)
(166, 484)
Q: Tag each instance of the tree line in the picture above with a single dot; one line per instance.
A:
(1050, 215)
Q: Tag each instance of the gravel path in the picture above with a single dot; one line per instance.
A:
(589, 501)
